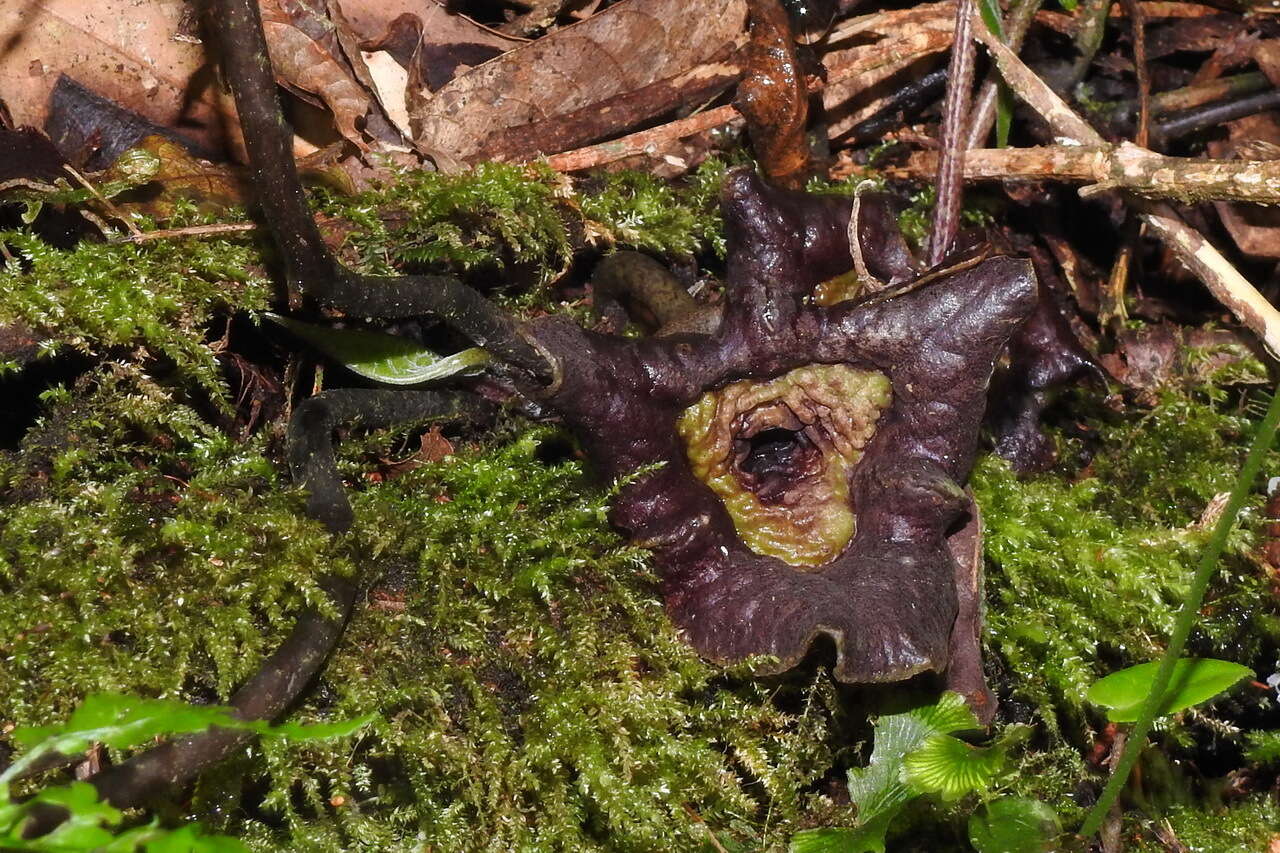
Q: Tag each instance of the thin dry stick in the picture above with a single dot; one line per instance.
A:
(955, 115)
(1036, 93)
(1113, 311)
(643, 142)
(190, 231)
(1138, 23)
(115, 212)
(1223, 280)
(1125, 166)
(984, 107)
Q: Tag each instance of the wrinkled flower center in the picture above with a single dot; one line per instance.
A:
(779, 453)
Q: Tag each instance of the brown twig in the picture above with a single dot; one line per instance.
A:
(984, 107)
(1189, 97)
(191, 231)
(643, 142)
(1127, 167)
(955, 118)
(1037, 94)
(116, 213)
(1223, 280)
(1091, 27)
(1113, 311)
(1212, 115)
(1137, 22)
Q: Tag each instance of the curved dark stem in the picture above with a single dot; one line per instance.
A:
(635, 278)
(148, 776)
(311, 268)
(311, 439)
(904, 104)
(1211, 115)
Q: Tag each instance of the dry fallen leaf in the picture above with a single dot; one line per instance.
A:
(142, 54)
(628, 46)
(180, 175)
(308, 59)
(370, 20)
(1254, 228)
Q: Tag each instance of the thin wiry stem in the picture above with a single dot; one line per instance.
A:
(955, 114)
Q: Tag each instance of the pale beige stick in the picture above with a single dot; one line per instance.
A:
(1127, 166)
(643, 142)
(115, 212)
(189, 231)
(1223, 280)
(1068, 126)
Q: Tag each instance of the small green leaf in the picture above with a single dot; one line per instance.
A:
(121, 722)
(191, 839)
(1194, 680)
(1014, 825)
(991, 16)
(879, 790)
(1004, 114)
(951, 767)
(389, 359)
(1069, 5)
(81, 799)
(827, 840)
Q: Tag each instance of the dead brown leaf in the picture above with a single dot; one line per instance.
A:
(371, 19)
(1254, 228)
(143, 54)
(310, 58)
(182, 176)
(420, 50)
(628, 46)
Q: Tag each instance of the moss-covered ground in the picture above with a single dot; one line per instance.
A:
(531, 694)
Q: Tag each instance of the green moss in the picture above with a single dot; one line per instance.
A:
(1250, 826)
(640, 210)
(485, 217)
(532, 693)
(499, 213)
(141, 550)
(1085, 576)
(102, 298)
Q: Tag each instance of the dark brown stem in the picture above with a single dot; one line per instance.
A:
(1212, 115)
(1138, 23)
(955, 114)
(904, 103)
(310, 266)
